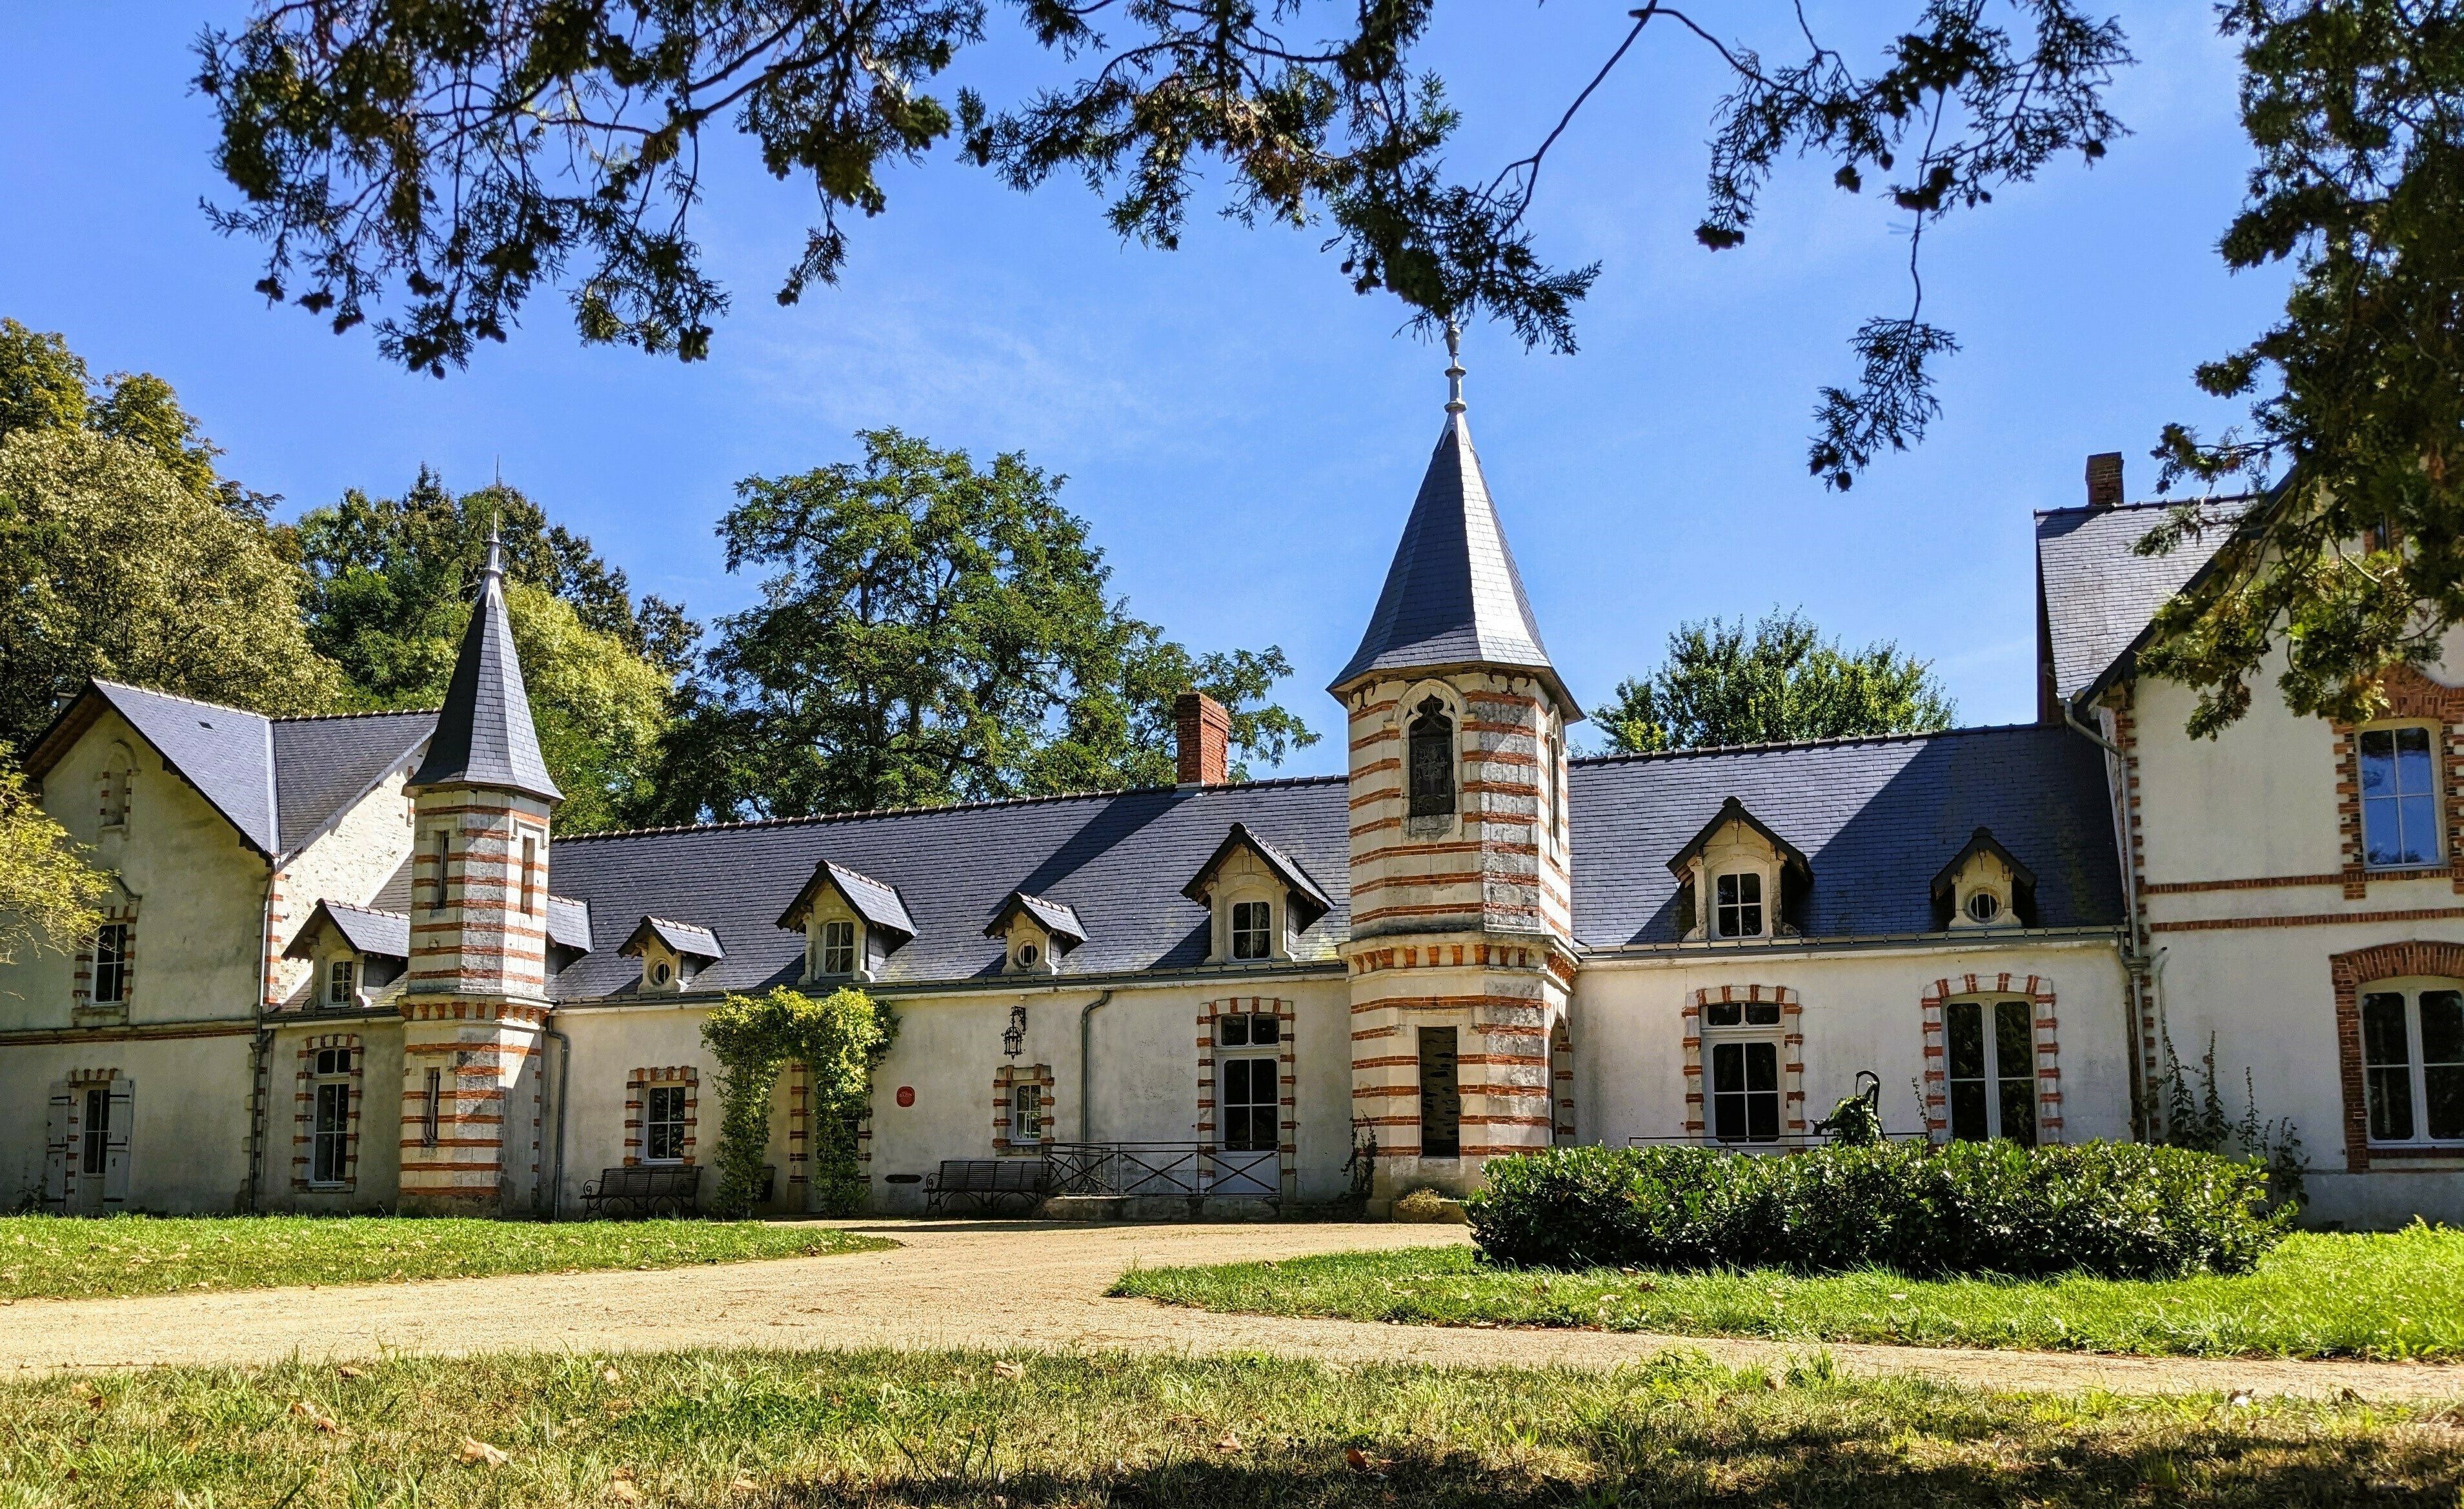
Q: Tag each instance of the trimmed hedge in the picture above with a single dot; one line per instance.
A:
(2113, 1210)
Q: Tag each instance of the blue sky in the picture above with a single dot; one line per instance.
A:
(1244, 433)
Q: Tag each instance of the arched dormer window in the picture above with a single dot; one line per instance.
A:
(1431, 769)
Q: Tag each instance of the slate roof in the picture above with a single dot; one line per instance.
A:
(279, 780)
(682, 939)
(321, 766)
(568, 922)
(1452, 594)
(2097, 596)
(484, 735)
(382, 935)
(1116, 860)
(1311, 897)
(1877, 818)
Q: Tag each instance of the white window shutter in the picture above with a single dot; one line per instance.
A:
(55, 1147)
(115, 1146)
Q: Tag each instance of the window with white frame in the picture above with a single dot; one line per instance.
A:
(1737, 910)
(1253, 929)
(329, 1131)
(1026, 1113)
(1992, 1070)
(110, 981)
(342, 982)
(663, 1123)
(838, 947)
(2412, 1058)
(2400, 801)
(1741, 1050)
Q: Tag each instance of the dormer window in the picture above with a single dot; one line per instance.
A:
(342, 982)
(1034, 933)
(2399, 798)
(1432, 761)
(1739, 913)
(1260, 898)
(671, 952)
(1253, 929)
(1984, 885)
(852, 923)
(1739, 879)
(838, 947)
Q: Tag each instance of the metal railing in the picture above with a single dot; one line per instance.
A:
(1185, 1170)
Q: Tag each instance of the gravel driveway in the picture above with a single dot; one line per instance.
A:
(997, 1285)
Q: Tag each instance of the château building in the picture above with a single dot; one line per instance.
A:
(348, 963)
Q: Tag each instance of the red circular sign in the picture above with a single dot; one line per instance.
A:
(906, 1094)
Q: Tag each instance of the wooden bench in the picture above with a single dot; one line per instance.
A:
(985, 1184)
(645, 1190)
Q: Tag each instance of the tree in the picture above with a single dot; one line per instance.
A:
(2353, 560)
(392, 584)
(467, 155)
(111, 567)
(48, 892)
(45, 386)
(936, 632)
(1783, 684)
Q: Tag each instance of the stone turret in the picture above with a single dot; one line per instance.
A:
(1462, 946)
(475, 1003)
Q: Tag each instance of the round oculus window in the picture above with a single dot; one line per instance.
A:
(1027, 955)
(661, 973)
(1983, 907)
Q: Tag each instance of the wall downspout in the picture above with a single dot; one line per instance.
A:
(2137, 968)
(1086, 1066)
(563, 1079)
(262, 1043)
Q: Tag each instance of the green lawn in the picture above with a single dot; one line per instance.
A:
(753, 1429)
(2395, 1295)
(52, 1256)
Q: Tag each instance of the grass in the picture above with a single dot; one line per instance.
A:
(752, 1429)
(77, 1257)
(2387, 1297)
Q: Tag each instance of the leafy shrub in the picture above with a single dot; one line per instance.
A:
(2113, 1210)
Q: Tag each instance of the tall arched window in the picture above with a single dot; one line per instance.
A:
(1432, 767)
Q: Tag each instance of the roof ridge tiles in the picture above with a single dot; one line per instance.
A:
(1804, 744)
(980, 805)
(336, 718)
(176, 697)
(2148, 502)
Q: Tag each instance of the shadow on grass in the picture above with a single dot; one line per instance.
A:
(2220, 1467)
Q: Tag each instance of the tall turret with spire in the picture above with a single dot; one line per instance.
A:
(475, 1003)
(1462, 943)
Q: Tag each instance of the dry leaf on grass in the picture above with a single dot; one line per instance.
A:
(744, 1485)
(624, 1493)
(1008, 1370)
(348, 1371)
(1229, 1443)
(477, 1452)
(316, 1417)
(610, 1376)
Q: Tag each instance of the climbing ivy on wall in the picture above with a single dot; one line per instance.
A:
(839, 1040)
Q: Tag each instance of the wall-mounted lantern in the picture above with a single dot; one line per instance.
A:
(1014, 1040)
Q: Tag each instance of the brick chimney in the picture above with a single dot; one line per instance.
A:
(2105, 480)
(1204, 732)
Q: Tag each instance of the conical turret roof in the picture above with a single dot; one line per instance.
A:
(484, 736)
(1453, 597)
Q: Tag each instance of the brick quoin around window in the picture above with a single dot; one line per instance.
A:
(2039, 993)
(2349, 973)
(1286, 1092)
(304, 1129)
(637, 1085)
(1006, 1077)
(2412, 697)
(1791, 1026)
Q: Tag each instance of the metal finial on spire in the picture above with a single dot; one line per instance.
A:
(496, 566)
(1454, 369)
